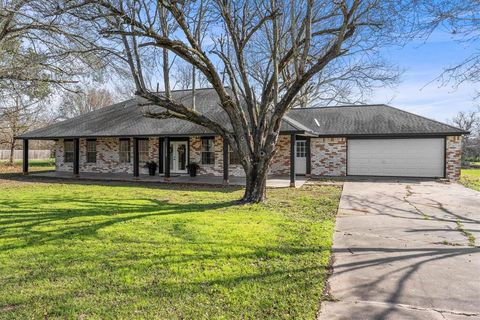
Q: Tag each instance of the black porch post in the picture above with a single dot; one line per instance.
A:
(160, 155)
(225, 162)
(136, 169)
(76, 157)
(25, 156)
(309, 157)
(167, 158)
(292, 160)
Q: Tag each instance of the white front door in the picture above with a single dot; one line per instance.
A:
(178, 156)
(301, 157)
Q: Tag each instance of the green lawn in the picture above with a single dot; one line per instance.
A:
(471, 178)
(70, 251)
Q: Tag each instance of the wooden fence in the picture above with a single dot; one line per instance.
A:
(32, 154)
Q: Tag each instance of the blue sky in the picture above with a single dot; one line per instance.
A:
(422, 62)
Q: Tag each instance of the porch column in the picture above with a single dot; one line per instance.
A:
(309, 158)
(76, 157)
(292, 160)
(167, 159)
(160, 155)
(25, 156)
(225, 162)
(136, 169)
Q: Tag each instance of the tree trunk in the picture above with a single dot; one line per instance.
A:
(255, 188)
(12, 153)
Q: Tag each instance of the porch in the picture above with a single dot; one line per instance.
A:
(124, 159)
(276, 181)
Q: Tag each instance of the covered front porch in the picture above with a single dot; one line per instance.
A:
(122, 159)
(276, 181)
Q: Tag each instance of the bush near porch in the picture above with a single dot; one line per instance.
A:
(172, 252)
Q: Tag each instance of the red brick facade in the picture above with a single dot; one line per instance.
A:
(453, 157)
(328, 157)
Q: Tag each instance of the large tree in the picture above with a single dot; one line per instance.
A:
(259, 56)
(36, 47)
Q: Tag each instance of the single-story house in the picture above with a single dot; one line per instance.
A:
(363, 140)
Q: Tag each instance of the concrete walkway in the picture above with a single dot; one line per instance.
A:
(272, 181)
(406, 250)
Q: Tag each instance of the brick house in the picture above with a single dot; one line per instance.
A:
(371, 140)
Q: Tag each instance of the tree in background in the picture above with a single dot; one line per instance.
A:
(469, 121)
(19, 114)
(266, 52)
(182, 76)
(82, 101)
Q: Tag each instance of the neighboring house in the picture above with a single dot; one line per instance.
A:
(372, 140)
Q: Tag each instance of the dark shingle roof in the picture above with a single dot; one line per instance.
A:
(378, 119)
(127, 119)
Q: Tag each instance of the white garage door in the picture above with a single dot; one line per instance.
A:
(396, 157)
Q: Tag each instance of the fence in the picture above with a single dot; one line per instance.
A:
(32, 154)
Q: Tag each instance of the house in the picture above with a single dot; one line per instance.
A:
(366, 140)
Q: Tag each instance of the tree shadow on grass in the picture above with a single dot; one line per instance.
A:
(22, 223)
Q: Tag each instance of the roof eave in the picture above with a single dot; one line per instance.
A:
(415, 134)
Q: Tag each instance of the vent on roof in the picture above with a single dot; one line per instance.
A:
(316, 121)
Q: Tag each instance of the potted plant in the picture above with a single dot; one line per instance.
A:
(192, 169)
(152, 167)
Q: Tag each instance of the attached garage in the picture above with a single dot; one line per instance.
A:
(412, 157)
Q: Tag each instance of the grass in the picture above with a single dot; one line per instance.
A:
(73, 251)
(34, 165)
(471, 178)
(470, 237)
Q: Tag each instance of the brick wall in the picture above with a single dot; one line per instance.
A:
(107, 157)
(280, 163)
(215, 169)
(329, 156)
(453, 157)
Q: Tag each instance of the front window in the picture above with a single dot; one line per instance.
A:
(91, 151)
(143, 150)
(68, 150)
(233, 157)
(124, 152)
(208, 154)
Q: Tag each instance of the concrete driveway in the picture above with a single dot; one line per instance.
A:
(406, 250)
